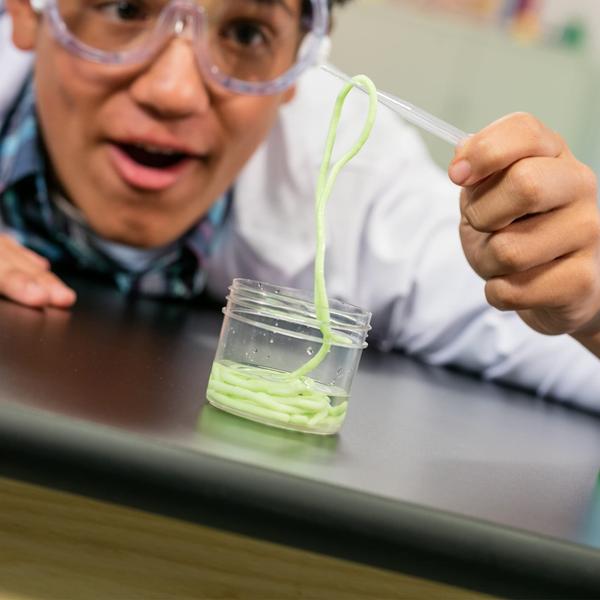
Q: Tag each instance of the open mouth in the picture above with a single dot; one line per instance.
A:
(153, 158)
(151, 168)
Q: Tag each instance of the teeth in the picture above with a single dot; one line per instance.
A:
(157, 150)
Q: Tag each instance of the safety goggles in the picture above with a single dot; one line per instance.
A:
(247, 46)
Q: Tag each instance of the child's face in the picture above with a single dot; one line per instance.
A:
(102, 126)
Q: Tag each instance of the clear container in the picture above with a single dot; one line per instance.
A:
(268, 333)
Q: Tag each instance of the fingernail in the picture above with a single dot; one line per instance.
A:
(64, 294)
(459, 172)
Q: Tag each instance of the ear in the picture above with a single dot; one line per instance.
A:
(25, 23)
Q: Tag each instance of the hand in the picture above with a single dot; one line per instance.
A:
(25, 277)
(530, 225)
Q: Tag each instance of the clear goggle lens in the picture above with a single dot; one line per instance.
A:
(253, 42)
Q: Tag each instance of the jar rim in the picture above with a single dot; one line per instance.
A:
(337, 308)
(281, 309)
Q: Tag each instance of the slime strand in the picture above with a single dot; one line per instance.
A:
(327, 177)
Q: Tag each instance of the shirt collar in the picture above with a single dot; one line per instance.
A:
(20, 148)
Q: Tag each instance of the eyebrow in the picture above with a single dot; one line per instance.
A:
(281, 3)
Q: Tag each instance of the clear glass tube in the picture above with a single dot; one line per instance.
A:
(413, 114)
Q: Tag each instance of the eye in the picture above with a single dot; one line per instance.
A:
(248, 34)
(124, 10)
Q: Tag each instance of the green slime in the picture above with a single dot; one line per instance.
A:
(270, 395)
(294, 399)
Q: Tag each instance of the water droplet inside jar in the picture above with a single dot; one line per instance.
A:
(271, 341)
(310, 351)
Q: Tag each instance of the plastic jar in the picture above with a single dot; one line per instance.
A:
(268, 333)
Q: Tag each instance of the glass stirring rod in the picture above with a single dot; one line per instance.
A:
(408, 111)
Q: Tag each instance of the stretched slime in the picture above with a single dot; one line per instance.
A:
(292, 399)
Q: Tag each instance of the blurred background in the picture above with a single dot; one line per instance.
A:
(472, 61)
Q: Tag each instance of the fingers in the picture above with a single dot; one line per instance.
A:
(531, 242)
(566, 291)
(25, 278)
(530, 186)
(35, 289)
(16, 253)
(500, 145)
(21, 287)
(25, 254)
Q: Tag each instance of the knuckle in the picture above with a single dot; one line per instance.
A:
(522, 116)
(475, 216)
(9, 266)
(506, 253)
(501, 295)
(13, 280)
(532, 127)
(584, 281)
(539, 139)
(588, 181)
(590, 229)
(44, 264)
(465, 231)
(524, 179)
(45, 278)
(595, 230)
(486, 150)
(584, 226)
(14, 275)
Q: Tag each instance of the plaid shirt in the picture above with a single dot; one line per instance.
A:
(30, 214)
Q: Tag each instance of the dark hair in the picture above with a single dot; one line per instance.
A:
(307, 6)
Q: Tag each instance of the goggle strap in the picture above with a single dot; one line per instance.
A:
(324, 51)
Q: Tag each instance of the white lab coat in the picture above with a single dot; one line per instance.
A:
(392, 243)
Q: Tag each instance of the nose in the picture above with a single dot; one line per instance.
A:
(172, 86)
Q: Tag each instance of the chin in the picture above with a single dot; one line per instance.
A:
(145, 241)
(137, 235)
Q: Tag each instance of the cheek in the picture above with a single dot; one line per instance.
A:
(247, 120)
(69, 93)
(55, 78)
(59, 105)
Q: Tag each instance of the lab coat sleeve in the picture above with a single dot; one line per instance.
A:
(16, 66)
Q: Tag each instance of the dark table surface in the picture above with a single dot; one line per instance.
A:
(434, 473)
